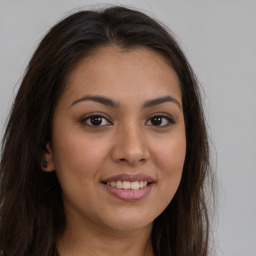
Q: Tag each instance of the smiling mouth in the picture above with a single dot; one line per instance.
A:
(128, 185)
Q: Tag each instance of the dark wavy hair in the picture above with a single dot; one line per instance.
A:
(31, 209)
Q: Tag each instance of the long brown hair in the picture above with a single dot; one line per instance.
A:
(31, 209)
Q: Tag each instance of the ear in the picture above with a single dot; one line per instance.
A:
(49, 165)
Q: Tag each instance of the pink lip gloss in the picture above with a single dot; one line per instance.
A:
(129, 194)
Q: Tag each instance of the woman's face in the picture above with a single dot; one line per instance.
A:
(118, 143)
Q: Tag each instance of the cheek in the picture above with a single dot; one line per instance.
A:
(170, 158)
(78, 153)
(170, 154)
(78, 161)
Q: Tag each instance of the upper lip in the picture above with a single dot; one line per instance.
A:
(130, 177)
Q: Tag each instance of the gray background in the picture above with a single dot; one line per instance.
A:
(219, 39)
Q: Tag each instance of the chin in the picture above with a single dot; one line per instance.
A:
(129, 221)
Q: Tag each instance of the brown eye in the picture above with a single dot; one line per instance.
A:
(157, 120)
(160, 121)
(95, 120)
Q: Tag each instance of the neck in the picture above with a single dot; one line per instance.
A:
(78, 241)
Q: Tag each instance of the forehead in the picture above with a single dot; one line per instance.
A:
(122, 74)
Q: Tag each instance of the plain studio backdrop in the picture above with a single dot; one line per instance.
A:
(219, 39)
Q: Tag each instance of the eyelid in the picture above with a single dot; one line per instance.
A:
(170, 119)
(84, 118)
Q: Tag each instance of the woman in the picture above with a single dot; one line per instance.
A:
(106, 150)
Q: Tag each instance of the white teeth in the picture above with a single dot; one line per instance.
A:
(127, 184)
(119, 184)
(135, 185)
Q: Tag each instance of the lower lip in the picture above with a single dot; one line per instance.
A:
(129, 194)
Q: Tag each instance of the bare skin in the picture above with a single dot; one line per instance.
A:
(121, 114)
(110, 243)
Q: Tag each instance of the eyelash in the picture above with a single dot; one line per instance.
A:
(90, 116)
(84, 120)
(170, 120)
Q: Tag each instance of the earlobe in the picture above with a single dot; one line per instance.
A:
(47, 162)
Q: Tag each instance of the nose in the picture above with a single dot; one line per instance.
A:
(130, 146)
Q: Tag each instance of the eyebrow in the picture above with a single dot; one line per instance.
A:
(109, 102)
(96, 98)
(157, 101)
